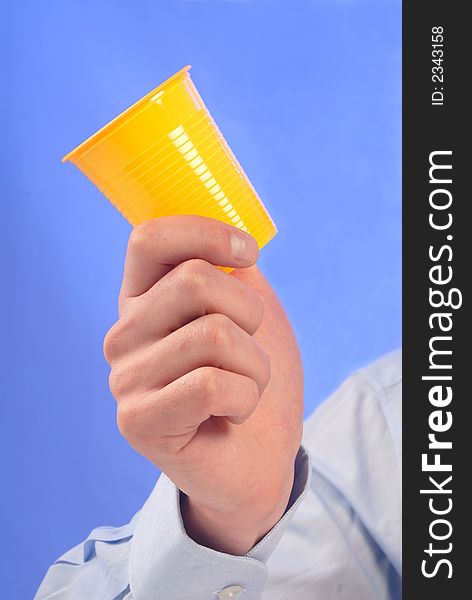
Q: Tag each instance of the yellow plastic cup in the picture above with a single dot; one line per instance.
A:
(166, 156)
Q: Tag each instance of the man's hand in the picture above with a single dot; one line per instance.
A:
(207, 376)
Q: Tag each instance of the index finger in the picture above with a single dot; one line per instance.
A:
(156, 246)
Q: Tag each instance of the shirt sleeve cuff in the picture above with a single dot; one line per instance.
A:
(166, 563)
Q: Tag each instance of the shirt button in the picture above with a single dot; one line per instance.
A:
(230, 593)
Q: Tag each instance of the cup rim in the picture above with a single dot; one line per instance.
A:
(123, 116)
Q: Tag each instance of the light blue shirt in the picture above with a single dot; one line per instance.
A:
(339, 539)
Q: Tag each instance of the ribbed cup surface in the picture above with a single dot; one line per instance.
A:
(166, 156)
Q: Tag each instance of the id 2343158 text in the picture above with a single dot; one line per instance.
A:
(437, 68)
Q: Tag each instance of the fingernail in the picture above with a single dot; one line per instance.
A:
(244, 248)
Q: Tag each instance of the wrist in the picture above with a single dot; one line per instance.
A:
(234, 532)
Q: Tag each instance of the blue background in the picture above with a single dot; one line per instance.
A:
(308, 95)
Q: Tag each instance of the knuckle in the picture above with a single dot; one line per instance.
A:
(193, 275)
(121, 337)
(119, 383)
(126, 419)
(112, 344)
(140, 236)
(207, 383)
(218, 330)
